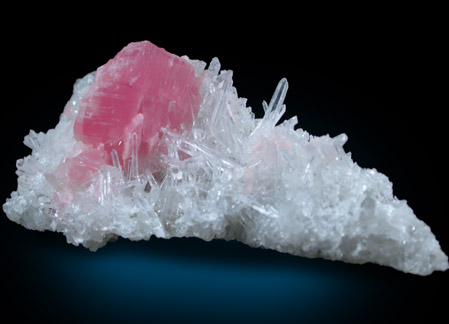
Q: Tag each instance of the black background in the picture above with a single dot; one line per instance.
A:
(378, 76)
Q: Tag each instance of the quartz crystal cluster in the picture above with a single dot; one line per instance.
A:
(156, 144)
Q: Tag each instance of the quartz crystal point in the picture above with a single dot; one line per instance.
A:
(156, 144)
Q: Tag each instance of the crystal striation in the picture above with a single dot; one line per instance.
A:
(156, 144)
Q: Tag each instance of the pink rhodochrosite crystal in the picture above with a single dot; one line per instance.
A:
(141, 90)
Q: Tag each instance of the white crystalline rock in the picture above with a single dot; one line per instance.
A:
(231, 176)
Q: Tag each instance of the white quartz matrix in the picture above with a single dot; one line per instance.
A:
(230, 176)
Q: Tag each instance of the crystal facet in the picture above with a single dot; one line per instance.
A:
(155, 144)
(141, 90)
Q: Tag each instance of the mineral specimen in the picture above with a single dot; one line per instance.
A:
(155, 144)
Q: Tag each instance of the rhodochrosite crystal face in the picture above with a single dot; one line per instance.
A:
(140, 91)
(156, 144)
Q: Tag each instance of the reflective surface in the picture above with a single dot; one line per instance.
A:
(187, 279)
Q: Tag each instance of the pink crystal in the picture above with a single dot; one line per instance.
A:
(74, 173)
(141, 90)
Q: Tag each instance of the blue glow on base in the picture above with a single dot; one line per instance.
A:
(162, 280)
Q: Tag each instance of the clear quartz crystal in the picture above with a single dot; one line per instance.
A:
(227, 176)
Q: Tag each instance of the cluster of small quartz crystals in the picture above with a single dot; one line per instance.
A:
(154, 144)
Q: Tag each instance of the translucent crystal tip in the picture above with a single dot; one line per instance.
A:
(279, 95)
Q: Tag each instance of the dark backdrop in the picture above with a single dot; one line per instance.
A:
(379, 78)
